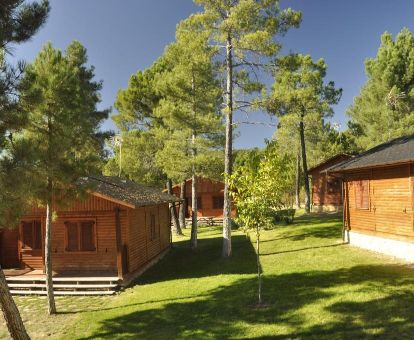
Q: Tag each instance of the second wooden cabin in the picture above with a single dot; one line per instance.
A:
(379, 198)
(119, 228)
(210, 197)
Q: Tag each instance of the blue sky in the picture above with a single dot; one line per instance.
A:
(127, 35)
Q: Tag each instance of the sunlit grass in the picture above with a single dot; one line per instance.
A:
(314, 287)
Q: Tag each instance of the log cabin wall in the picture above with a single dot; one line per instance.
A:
(207, 191)
(149, 234)
(326, 189)
(102, 212)
(389, 212)
(9, 248)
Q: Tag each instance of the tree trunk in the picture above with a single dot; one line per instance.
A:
(10, 312)
(174, 217)
(48, 254)
(183, 205)
(259, 268)
(304, 165)
(194, 212)
(228, 151)
(194, 208)
(297, 181)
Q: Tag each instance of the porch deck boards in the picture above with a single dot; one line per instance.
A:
(33, 282)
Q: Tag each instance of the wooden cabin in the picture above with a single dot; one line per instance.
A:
(326, 189)
(210, 197)
(379, 198)
(119, 228)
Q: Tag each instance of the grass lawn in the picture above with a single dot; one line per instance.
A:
(315, 287)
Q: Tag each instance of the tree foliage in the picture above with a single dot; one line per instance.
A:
(60, 95)
(384, 109)
(303, 100)
(19, 21)
(246, 31)
(259, 188)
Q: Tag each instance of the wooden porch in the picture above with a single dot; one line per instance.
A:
(33, 282)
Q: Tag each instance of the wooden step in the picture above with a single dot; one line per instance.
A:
(57, 286)
(43, 292)
(64, 279)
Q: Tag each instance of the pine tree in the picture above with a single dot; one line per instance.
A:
(299, 94)
(246, 30)
(18, 22)
(60, 95)
(189, 110)
(384, 109)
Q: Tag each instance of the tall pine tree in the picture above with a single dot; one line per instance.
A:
(384, 109)
(245, 31)
(18, 22)
(189, 110)
(60, 94)
(299, 95)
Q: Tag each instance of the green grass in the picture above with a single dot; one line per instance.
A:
(314, 287)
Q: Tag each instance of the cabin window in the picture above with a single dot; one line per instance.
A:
(362, 194)
(153, 229)
(80, 236)
(199, 202)
(218, 202)
(332, 185)
(32, 235)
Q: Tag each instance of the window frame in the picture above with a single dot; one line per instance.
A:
(357, 182)
(221, 200)
(78, 221)
(153, 228)
(22, 241)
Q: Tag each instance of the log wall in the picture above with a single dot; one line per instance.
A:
(390, 210)
(207, 189)
(143, 245)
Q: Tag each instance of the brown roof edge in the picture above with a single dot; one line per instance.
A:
(401, 162)
(189, 179)
(330, 160)
(114, 200)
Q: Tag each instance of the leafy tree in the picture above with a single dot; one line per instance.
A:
(60, 95)
(18, 22)
(299, 92)
(137, 122)
(384, 109)
(189, 111)
(246, 30)
(259, 188)
(139, 148)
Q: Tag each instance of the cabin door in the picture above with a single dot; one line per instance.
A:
(31, 244)
(9, 253)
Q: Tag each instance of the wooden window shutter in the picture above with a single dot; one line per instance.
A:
(37, 232)
(27, 232)
(218, 202)
(72, 236)
(152, 227)
(362, 194)
(87, 236)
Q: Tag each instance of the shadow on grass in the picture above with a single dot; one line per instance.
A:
(182, 262)
(225, 311)
(303, 249)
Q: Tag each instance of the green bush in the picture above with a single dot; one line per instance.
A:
(284, 215)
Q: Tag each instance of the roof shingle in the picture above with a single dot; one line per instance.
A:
(399, 150)
(127, 191)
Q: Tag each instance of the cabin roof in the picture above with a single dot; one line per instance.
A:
(199, 178)
(396, 151)
(124, 191)
(328, 163)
